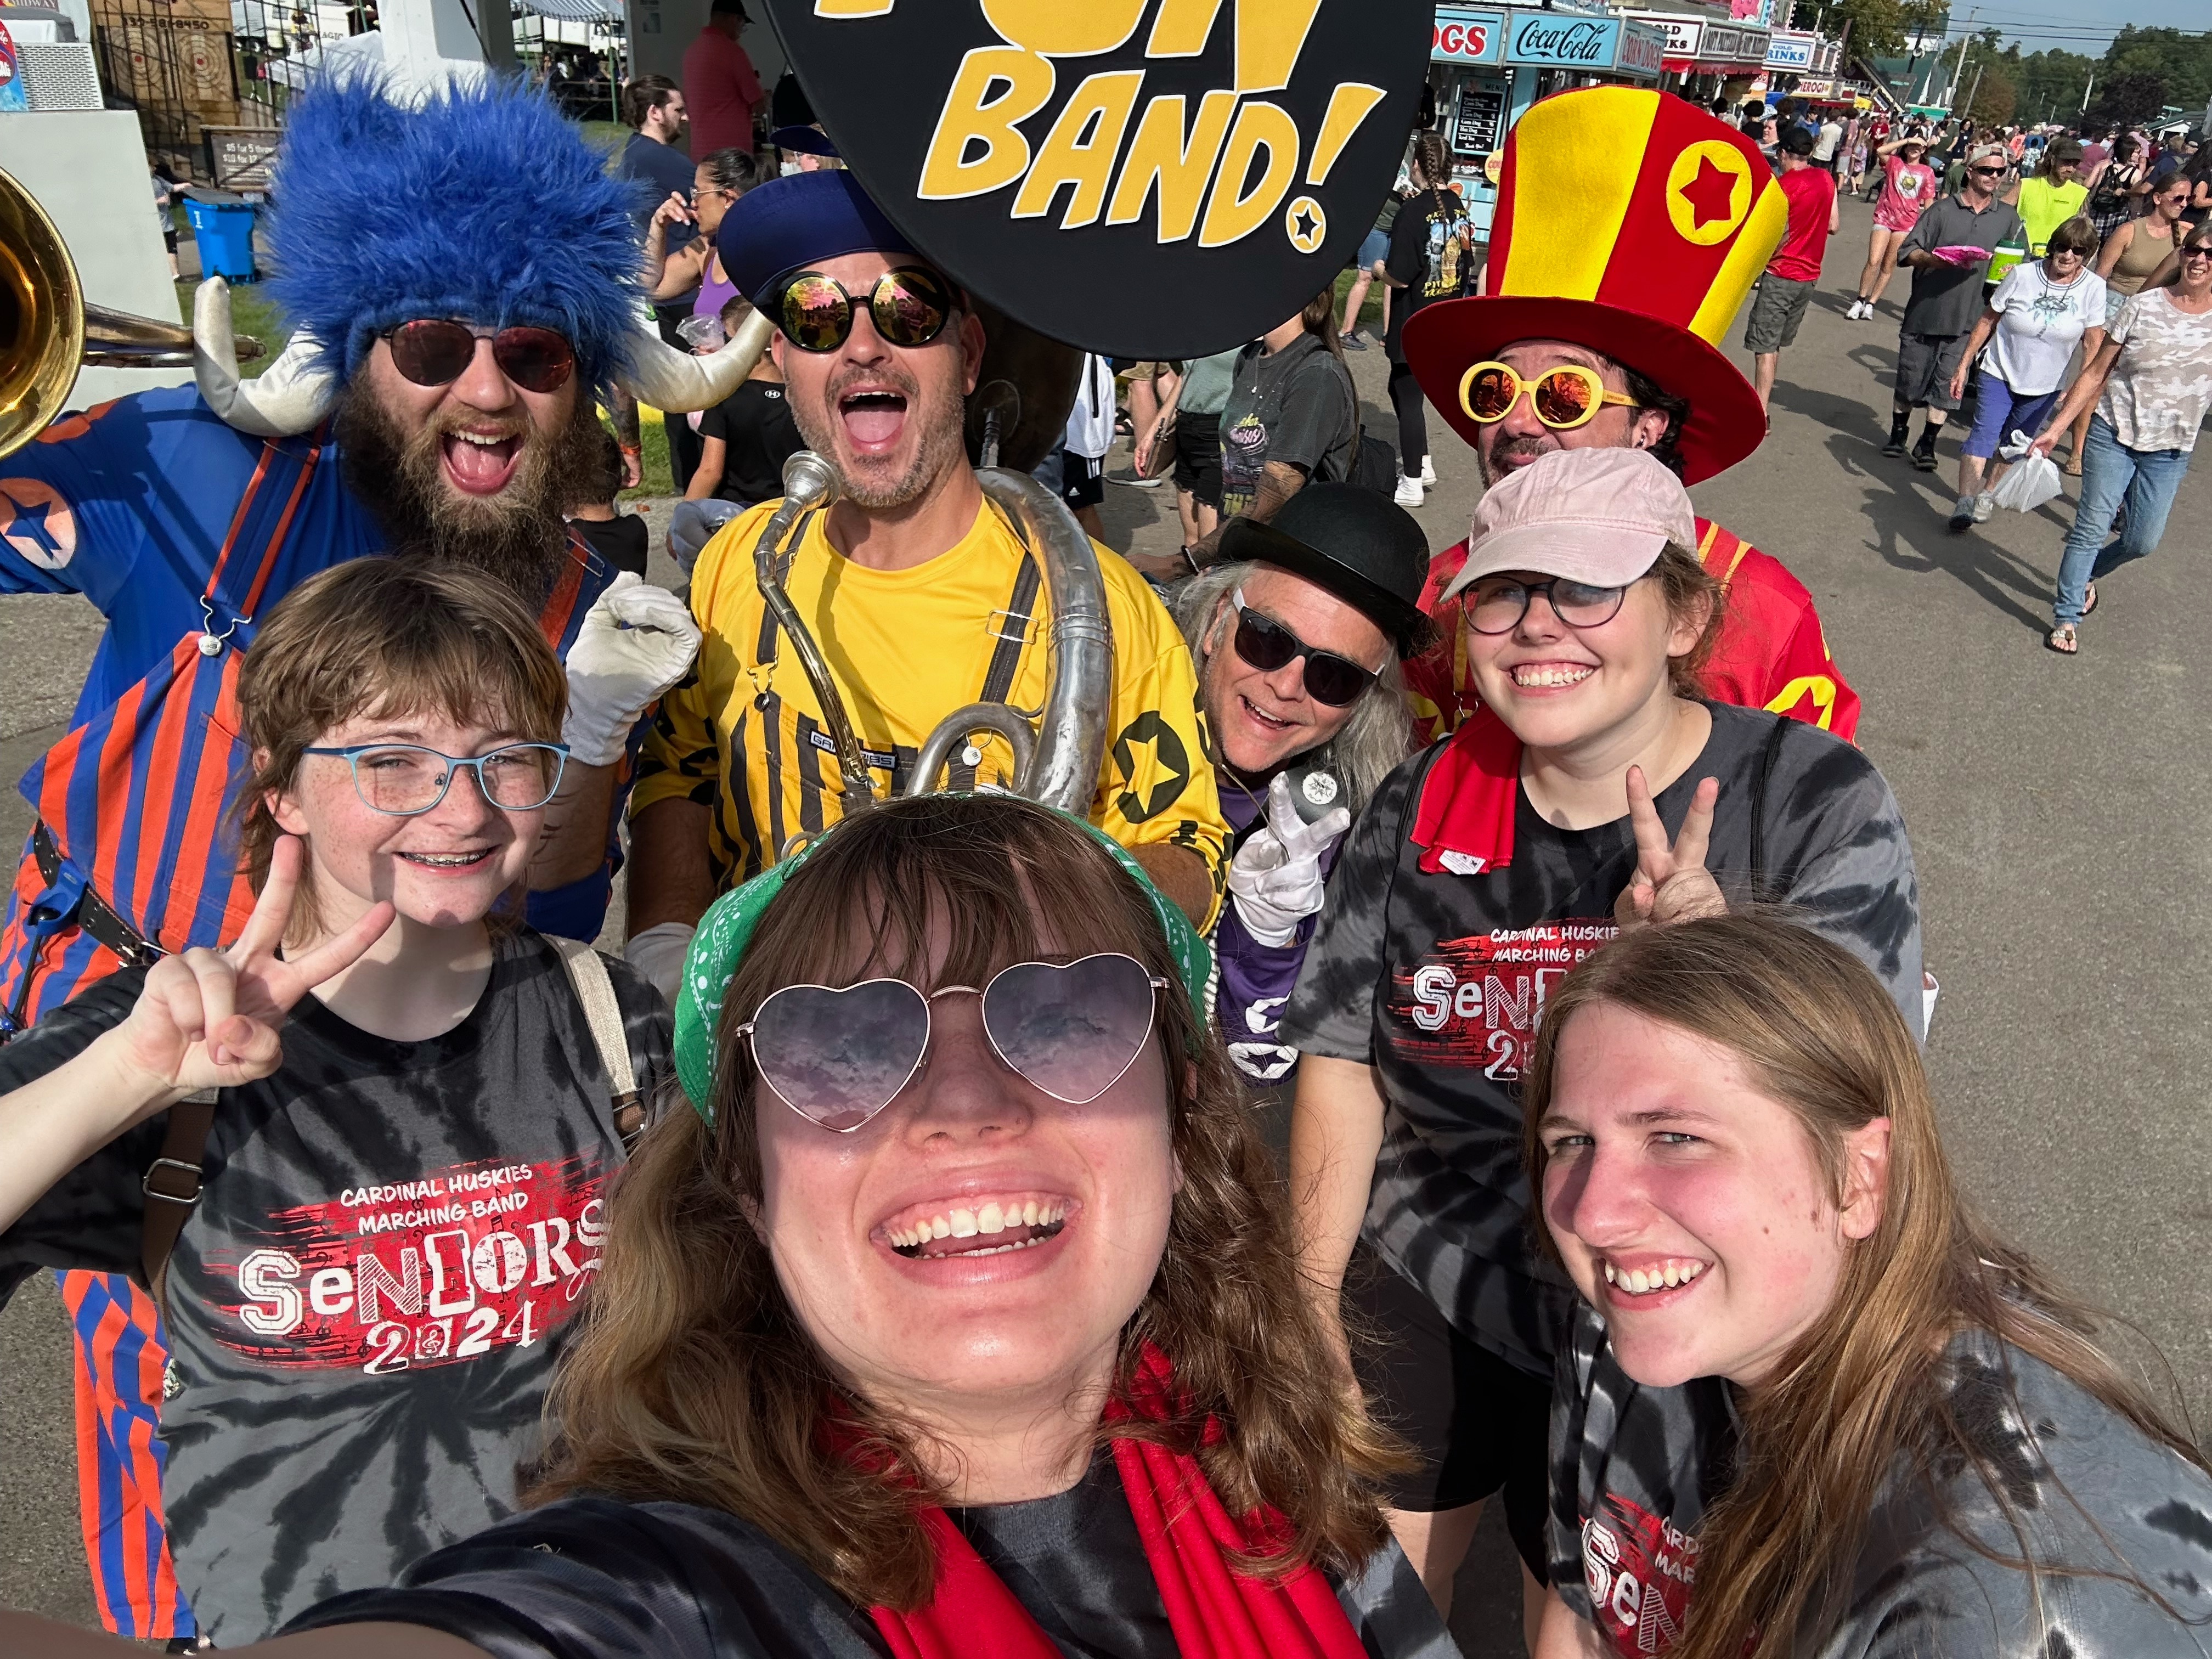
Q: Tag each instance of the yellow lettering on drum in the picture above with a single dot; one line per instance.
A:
(1080, 149)
(1270, 35)
(1159, 151)
(1055, 28)
(1348, 105)
(972, 114)
(1181, 27)
(1232, 214)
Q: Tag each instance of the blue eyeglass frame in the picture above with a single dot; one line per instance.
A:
(352, 753)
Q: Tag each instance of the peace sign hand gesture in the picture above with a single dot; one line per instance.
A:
(1671, 882)
(212, 1019)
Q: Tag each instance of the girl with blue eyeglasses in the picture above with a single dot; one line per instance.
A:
(361, 1154)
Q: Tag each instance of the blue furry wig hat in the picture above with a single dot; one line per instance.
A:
(481, 205)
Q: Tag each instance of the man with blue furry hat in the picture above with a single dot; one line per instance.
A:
(463, 276)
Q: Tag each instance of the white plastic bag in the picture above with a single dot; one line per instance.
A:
(2028, 484)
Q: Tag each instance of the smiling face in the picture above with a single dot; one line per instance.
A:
(977, 1240)
(1561, 687)
(443, 868)
(1690, 1208)
(888, 417)
(1519, 438)
(1263, 721)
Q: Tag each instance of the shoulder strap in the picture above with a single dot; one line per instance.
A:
(1766, 759)
(595, 991)
(171, 1187)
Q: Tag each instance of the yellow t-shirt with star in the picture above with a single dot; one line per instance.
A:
(906, 648)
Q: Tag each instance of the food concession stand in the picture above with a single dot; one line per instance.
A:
(1488, 64)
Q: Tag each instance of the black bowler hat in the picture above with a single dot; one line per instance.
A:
(1363, 549)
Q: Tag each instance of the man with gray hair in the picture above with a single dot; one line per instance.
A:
(1950, 252)
(1298, 632)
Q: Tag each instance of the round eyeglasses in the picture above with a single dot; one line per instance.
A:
(402, 779)
(1495, 605)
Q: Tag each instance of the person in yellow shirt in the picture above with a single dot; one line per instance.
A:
(915, 586)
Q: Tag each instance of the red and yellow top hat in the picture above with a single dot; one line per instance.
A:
(1632, 223)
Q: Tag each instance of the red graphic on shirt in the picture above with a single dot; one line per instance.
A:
(1641, 1569)
(1475, 1001)
(446, 1267)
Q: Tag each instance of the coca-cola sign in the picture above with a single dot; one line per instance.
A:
(1581, 42)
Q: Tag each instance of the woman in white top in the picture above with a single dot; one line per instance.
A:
(2151, 385)
(2039, 313)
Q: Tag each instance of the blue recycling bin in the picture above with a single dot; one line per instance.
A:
(224, 231)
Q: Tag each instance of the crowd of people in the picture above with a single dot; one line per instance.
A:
(883, 1254)
(2058, 290)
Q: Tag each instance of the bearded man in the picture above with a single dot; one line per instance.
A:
(1639, 313)
(464, 278)
(922, 596)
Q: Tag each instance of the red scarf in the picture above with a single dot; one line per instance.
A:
(1215, 1612)
(1465, 823)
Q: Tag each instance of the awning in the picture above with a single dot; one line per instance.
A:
(577, 11)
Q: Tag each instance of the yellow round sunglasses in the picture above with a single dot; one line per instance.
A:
(1564, 396)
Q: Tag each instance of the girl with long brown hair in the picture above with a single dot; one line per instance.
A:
(1810, 1404)
(957, 1314)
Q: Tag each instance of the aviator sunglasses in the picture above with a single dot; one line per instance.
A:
(437, 351)
(1564, 396)
(837, 1057)
(909, 306)
(1268, 646)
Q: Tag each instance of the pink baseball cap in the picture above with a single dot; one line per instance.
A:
(1599, 516)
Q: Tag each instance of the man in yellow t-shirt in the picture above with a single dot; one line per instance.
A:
(916, 586)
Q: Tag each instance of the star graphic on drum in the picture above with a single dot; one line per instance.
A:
(1709, 192)
(1305, 224)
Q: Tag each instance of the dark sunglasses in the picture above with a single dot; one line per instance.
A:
(1497, 605)
(437, 351)
(1988, 173)
(1268, 646)
(838, 1056)
(909, 306)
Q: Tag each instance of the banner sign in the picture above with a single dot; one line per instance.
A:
(1643, 51)
(1790, 49)
(1141, 177)
(1546, 38)
(1683, 34)
(1461, 36)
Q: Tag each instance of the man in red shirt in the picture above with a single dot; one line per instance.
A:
(1777, 304)
(720, 85)
(1641, 310)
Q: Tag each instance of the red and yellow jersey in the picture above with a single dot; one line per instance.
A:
(1771, 654)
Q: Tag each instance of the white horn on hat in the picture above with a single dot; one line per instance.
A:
(289, 397)
(666, 379)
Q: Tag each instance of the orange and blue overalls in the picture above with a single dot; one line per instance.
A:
(183, 532)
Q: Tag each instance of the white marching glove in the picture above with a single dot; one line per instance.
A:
(659, 953)
(1275, 879)
(636, 641)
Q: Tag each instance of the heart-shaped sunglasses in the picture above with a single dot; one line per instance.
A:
(839, 1055)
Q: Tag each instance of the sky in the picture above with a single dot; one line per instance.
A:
(2068, 25)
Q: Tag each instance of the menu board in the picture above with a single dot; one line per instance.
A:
(1479, 118)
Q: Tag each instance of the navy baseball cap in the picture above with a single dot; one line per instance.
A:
(789, 224)
(803, 141)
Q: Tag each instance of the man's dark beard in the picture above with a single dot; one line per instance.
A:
(518, 537)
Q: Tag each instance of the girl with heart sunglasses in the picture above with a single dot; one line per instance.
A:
(825, 1414)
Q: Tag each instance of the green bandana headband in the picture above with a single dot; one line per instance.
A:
(727, 927)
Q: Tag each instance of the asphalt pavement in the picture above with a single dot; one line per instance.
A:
(2059, 810)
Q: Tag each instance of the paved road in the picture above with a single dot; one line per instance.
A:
(2058, 811)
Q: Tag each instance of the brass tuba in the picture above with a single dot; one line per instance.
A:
(1026, 389)
(48, 330)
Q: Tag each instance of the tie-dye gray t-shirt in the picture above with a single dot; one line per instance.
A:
(1634, 1470)
(1438, 980)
